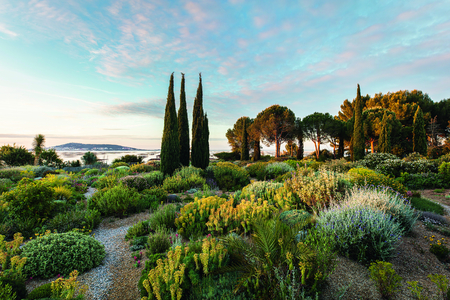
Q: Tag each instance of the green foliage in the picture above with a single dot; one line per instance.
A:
(39, 171)
(338, 165)
(137, 182)
(119, 164)
(227, 156)
(441, 283)
(444, 171)
(257, 170)
(129, 159)
(275, 169)
(318, 127)
(394, 167)
(92, 172)
(384, 142)
(200, 131)
(15, 174)
(115, 201)
(6, 292)
(362, 233)
(110, 178)
(363, 176)
(16, 155)
(5, 184)
(142, 168)
(159, 193)
(372, 160)
(218, 287)
(183, 126)
(170, 145)
(71, 219)
(421, 181)
(261, 189)
(385, 200)
(440, 250)
(141, 228)
(164, 216)
(294, 217)
(230, 177)
(89, 158)
(158, 242)
(385, 277)
(419, 133)
(358, 128)
(177, 183)
(43, 291)
(423, 204)
(29, 204)
(154, 178)
(61, 253)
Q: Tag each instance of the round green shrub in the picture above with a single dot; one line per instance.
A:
(158, 242)
(261, 189)
(372, 160)
(154, 178)
(119, 164)
(43, 291)
(363, 176)
(61, 253)
(293, 217)
(275, 169)
(444, 171)
(230, 177)
(115, 201)
(92, 172)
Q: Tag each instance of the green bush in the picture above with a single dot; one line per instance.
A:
(218, 287)
(261, 189)
(385, 200)
(230, 176)
(137, 182)
(275, 169)
(12, 286)
(154, 178)
(6, 291)
(61, 253)
(15, 174)
(362, 233)
(16, 155)
(444, 171)
(29, 204)
(159, 193)
(92, 172)
(139, 229)
(71, 219)
(421, 181)
(119, 164)
(39, 171)
(257, 170)
(227, 156)
(386, 280)
(43, 291)
(158, 242)
(423, 204)
(363, 176)
(294, 217)
(394, 167)
(142, 168)
(177, 183)
(186, 172)
(164, 216)
(115, 201)
(89, 158)
(338, 165)
(372, 160)
(5, 185)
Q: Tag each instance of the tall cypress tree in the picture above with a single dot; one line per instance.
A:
(358, 129)
(419, 134)
(197, 128)
(183, 126)
(299, 132)
(384, 141)
(245, 155)
(170, 146)
(205, 143)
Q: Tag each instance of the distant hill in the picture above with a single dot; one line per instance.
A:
(92, 147)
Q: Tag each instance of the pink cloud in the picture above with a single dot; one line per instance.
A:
(259, 21)
(7, 31)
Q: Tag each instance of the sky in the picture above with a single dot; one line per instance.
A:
(98, 71)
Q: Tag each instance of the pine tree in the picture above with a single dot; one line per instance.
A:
(197, 128)
(205, 143)
(384, 141)
(358, 129)
(170, 146)
(419, 134)
(245, 155)
(183, 126)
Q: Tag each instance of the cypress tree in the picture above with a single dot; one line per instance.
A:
(299, 130)
(384, 142)
(170, 146)
(205, 143)
(183, 126)
(419, 134)
(358, 129)
(197, 128)
(245, 155)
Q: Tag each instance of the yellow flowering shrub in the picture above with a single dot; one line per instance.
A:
(10, 261)
(363, 176)
(61, 192)
(68, 288)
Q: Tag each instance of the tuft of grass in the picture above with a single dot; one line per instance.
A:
(439, 191)
(423, 204)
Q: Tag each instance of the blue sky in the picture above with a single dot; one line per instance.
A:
(98, 71)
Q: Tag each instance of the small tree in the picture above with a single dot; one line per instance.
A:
(170, 146)
(384, 142)
(89, 158)
(315, 128)
(358, 129)
(205, 143)
(419, 134)
(183, 126)
(197, 128)
(15, 155)
(245, 153)
(38, 146)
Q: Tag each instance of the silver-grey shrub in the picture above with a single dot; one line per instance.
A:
(362, 233)
(386, 200)
(138, 182)
(275, 169)
(261, 189)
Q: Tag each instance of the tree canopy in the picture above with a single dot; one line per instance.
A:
(316, 128)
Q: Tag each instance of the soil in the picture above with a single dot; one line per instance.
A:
(437, 197)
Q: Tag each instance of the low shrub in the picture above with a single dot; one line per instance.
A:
(385, 200)
(227, 156)
(158, 242)
(394, 167)
(218, 287)
(421, 181)
(154, 178)
(115, 201)
(62, 193)
(444, 171)
(423, 204)
(92, 172)
(119, 164)
(438, 248)
(43, 291)
(177, 184)
(363, 176)
(186, 172)
(275, 169)
(39, 171)
(16, 174)
(294, 163)
(362, 233)
(257, 169)
(338, 165)
(294, 217)
(71, 219)
(159, 193)
(137, 182)
(230, 176)
(372, 160)
(61, 253)
(261, 189)
(142, 168)
(164, 216)
(5, 184)
(141, 228)
(385, 277)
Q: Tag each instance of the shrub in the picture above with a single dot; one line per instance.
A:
(119, 164)
(275, 169)
(261, 189)
(394, 167)
(414, 156)
(159, 193)
(61, 253)
(6, 291)
(66, 221)
(29, 204)
(294, 163)
(158, 242)
(230, 176)
(115, 201)
(139, 229)
(177, 184)
(129, 159)
(444, 171)
(338, 165)
(15, 174)
(43, 291)
(92, 172)
(5, 185)
(186, 172)
(227, 156)
(218, 287)
(362, 233)
(16, 155)
(39, 171)
(142, 168)
(154, 178)
(257, 170)
(363, 176)
(89, 158)
(62, 192)
(138, 182)
(372, 160)
(423, 204)
(163, 217)
(385, 200)
(294, 217)
(421, 181)
(318, 188)
(438, 248)
(386, 280)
